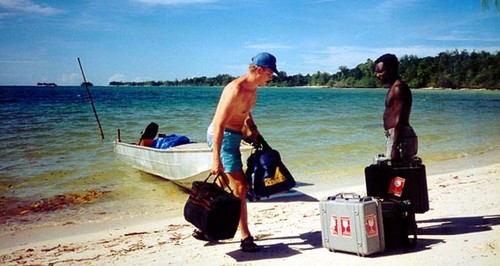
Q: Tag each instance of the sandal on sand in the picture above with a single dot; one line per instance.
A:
(247, 245)
(198, 234)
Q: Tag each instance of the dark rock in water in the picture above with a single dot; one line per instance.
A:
(88, 84)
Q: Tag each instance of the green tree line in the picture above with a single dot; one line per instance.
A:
(450, 69)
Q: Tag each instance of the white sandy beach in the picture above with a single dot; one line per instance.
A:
(461, 228)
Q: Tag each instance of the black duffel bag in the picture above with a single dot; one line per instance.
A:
(212, 209)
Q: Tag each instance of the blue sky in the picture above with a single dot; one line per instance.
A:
(141, 40)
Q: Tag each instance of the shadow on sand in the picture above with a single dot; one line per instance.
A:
(312, 240)
(446, 226)
(459, 225)
(287, 196)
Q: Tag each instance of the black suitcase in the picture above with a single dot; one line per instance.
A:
(377, 179)
(399, 223)
(399, 181)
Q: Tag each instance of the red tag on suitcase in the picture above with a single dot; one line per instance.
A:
(397, 185)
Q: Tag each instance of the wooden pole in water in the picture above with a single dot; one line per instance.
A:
(90, 98)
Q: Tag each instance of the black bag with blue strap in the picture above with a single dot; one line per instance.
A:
(266, 171)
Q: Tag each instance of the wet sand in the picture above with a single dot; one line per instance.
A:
(461, 228)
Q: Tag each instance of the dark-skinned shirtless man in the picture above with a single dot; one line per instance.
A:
(401, 140)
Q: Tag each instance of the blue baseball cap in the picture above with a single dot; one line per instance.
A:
(265, 60)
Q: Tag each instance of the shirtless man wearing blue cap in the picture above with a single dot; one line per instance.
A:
(231, 123)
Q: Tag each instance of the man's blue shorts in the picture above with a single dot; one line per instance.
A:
(230, 153)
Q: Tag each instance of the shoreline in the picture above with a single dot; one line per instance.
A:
(464, 216)
(292, 87)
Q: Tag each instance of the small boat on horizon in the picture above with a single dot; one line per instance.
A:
(46, 84)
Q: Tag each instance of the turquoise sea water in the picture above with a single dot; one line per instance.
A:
(50, 143)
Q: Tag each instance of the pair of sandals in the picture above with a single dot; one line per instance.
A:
(247, 244)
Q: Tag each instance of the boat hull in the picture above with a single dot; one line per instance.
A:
(181, 164)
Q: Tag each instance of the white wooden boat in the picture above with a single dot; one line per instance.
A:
(181, 164)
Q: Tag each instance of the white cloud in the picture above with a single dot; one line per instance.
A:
(142, 79)
(175, 2)
(392, 5)
(462, 36)
(351, 56)
(69, 79)
(116, 77)
(267, 46)
(28, 6)
(336, 56)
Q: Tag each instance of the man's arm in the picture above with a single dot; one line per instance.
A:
(397, 108)
(401, 109)
(252, 128)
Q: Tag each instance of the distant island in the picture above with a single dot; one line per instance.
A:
(88, 84)
(46, 84)
(447, 70)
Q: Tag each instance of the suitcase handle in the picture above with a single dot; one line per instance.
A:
(367, 198)
(345, 195)
(223, 179)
